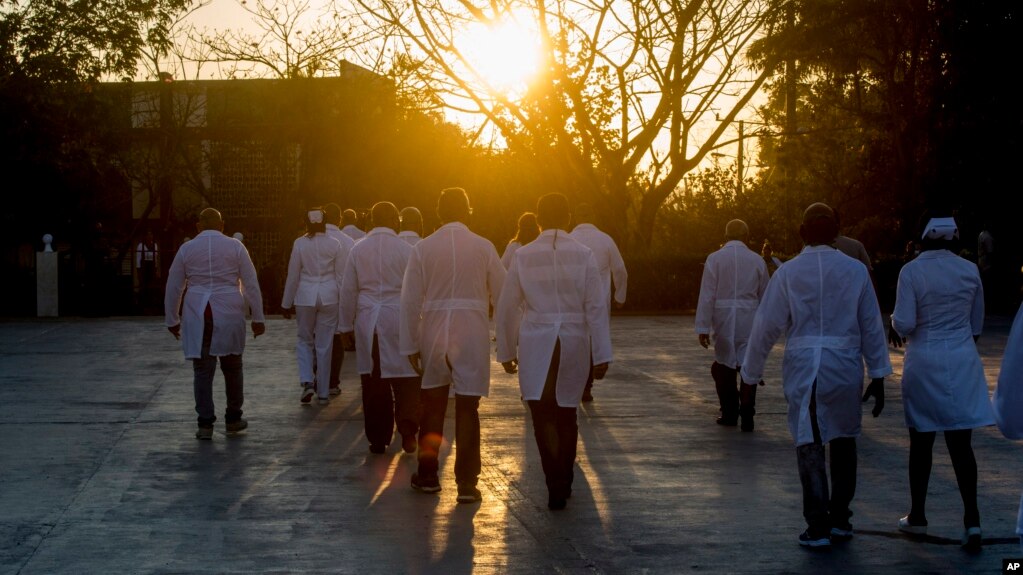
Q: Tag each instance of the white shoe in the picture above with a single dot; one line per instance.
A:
(324, 401)
(307, 394)
(906, 527)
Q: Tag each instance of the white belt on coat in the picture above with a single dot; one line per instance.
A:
(957, 334)
(737, 303)
(555, 318)
(456, 303)
(375, 306)
(823, 342)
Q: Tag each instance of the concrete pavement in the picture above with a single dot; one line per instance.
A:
(100, 473)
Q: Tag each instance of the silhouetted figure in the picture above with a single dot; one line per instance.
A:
(411, 225)
(526, 231)
(332, 215)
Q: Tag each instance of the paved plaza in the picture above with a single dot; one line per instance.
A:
(100, 472)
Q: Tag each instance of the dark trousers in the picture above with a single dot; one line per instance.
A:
(204, 369)
(388, 402)
(434, 405)
(337, 359)
(726, 383)
(556, 432)
(964, 463)
(821, 511)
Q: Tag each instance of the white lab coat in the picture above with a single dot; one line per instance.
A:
(453, 276)
(734, 279)
(939, 307)
(216, 270)
(553, 294)
(1008, 397)
(371, 299)
(824, 303)
(609, 259)
(314, 272)
(509, 253)
(411, 237)
(354, 232)
(346, 241)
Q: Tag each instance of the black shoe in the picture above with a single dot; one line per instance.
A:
(425, 485)
(408, 443)
(378, 449)
(807, 539)
(587, 396)
(204, 433)
(234, 427)
(747, 423)
(729, 421)
(556, 503)
(468, 494)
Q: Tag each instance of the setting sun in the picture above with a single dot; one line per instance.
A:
(505, 53)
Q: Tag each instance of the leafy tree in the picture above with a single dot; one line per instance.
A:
(623, 107)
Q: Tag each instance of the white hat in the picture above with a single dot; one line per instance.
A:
(315, 216)
(941, 229)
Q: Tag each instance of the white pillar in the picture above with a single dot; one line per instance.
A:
(46, 280)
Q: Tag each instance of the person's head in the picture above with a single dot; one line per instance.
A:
(314, 222)
(210, 219)
(332, 214)
(411, 220)
(583, 214)
(552, 212)
(819, 225)
(453, 206)
(938, 231)
(766, 250)
(349, 217)
(527, 229)
(384, 215)
(736, 230)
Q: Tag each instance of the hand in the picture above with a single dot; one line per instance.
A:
(511, 366)
(618, 304)
(894, 338)
(286, 312)
(175, 330)
(258, 329)
(875, 389)
(348, 340)
(600, 370)
(743, 382)
(705, 340)
(416, 361)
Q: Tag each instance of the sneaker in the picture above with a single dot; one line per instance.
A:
(425, 485)
(335, 391)
(307, 393)
(972, 539)
(377, 449)
(468, 494)
(556, 503)
(842, 532)
(409, 443)
(324, 401)
(906, 527)
(808, 540)
(234, 427)
(204, 433)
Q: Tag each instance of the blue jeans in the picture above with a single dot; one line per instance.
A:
(204, 369)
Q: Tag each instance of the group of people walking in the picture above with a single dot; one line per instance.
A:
(823, 303)
(417, 312)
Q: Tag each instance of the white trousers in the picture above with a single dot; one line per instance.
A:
(316, 326)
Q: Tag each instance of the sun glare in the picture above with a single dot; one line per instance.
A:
(505, 53)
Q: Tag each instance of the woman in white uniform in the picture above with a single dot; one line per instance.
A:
(313, 287)
(528, 230)
(939, 312)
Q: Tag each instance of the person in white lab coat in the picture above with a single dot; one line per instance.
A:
(1007, 399)
(332, 215)
(350, 224)
(526, 231)
(552, 320)
(220, 281)
(313, 287)
(939, 311)
(824, 303)
(370, 300)
(613, 275)
(452, 279)
(734, 280)
(411, 227)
